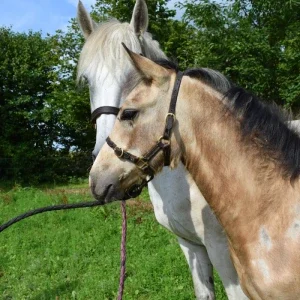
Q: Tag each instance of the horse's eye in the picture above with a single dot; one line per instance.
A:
(129, 114)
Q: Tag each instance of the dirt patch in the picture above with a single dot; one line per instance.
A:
(137, 206)
(63, 194)
(6, 198)
(74, 191)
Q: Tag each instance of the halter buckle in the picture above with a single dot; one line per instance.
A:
(142, 164)
(171, 115)
(164, 140)
(119, 152)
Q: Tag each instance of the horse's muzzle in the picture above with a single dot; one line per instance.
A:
(105, 190)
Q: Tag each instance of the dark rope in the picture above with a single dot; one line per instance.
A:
(82, 205)
(48, 208)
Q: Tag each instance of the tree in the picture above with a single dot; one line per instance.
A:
(45, 133)
(26, 75)
(160, 16)
(255, 43)
(34, 143)
(44, 115)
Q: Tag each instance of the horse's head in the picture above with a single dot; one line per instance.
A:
(104, 64)
(125, 163)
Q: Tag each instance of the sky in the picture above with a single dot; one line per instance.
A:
(41, 15)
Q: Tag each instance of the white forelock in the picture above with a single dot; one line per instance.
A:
(103, 49)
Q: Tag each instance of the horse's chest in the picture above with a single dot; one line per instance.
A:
(179, 205)
(176, 217)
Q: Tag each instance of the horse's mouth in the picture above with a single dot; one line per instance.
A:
(113, 193)
(110, 194)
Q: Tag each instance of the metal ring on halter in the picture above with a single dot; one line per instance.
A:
(163, 144)
(120, 149)
(163, 138)
(172, 115)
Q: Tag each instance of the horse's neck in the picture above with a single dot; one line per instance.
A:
(238, 183)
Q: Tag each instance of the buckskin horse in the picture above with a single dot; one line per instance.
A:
(241, 153)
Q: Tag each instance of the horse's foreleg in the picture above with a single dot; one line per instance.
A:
(216, 246)
(201, 269)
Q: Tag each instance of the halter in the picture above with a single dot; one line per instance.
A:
(163, 144)
(111, 110)
(104, 110)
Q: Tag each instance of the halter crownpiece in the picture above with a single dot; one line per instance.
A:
(111, 110)
(163, 144)
(104, 110)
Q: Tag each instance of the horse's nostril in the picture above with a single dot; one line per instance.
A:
(94, 157)
(107, 190)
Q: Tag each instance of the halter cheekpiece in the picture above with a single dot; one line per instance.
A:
(163, 144)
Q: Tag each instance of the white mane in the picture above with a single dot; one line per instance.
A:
(103, 49)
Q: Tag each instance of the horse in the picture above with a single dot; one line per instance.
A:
(241, 153)
(176, 199)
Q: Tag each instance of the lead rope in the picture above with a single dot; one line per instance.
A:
(123, 251)
(82, 205)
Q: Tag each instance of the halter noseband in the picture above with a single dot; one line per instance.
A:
(163, 144)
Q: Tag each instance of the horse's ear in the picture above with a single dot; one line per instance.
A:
(147, 68)
(139, 20)
(87, 25)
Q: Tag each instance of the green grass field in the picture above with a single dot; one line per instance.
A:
(75, 254)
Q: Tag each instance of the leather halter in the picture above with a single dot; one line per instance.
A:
(111, 110)
(106, 110)
(163, 144)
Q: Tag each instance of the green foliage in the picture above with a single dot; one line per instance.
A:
(36, 134)
(255, 43)
(26, 77)
(76, 254)
(45, 133)
(160, 17)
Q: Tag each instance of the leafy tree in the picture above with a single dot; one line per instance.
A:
(44, 115)
(33, 140)
(26, 74)
(256, 43)
(45, 133)
(160, 16)
(68, 100)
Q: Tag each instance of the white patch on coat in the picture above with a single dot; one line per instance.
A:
(262, 267)
(265, 239)
(297, 210)
(293, 231)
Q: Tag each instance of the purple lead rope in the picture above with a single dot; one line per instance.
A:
(123, 251)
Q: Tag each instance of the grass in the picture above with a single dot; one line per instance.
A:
(75, 254)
